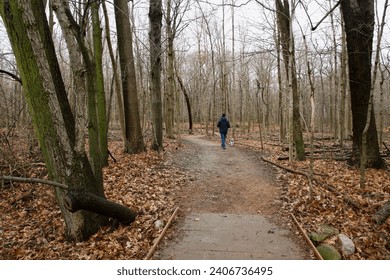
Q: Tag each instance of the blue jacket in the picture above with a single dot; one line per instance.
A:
(223, 125)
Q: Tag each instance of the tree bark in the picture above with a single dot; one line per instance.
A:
(78, 73)
(155, 17)
(359, 27)
(133, 132)
(100, 97)
(170, 92)
(188, 102)
(87, 71)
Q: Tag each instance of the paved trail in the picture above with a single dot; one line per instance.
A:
(229, 210)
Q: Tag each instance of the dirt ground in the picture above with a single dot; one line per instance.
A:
(232, 182)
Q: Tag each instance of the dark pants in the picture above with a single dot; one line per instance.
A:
(223, 139)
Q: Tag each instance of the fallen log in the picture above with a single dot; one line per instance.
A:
(75, 201)
(285, 167)
(381, 216)
(336, 158)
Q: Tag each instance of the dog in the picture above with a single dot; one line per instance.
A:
(231, 142)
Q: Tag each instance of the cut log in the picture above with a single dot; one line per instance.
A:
(381, 216)
(76, 201)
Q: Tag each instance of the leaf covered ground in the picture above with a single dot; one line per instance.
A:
(335, 197)
(31, 226)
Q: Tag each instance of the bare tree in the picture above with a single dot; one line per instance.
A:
(284, 20)
(100, 97)
(363, 157)
(155, 17)
(175, 11)
(134, 140)
(84, 70)
(359, 27)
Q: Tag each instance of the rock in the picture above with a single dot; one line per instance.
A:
(159, 224)
(347, 245)
(318, 237)
(323, 232)
(328, 252)
(381, 216)
(327, 229)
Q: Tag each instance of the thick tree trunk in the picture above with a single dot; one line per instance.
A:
(77, 45)
(133, 132)
(30, 37)
(359, 27)
(155, 17)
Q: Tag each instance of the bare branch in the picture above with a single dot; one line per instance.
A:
(13, 76)
(313, 28)
(33, 180)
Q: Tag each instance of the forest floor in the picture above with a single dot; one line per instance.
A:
(154, 185)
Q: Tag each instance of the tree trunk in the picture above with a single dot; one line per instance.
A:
(78, 73)
(363, 156)
(99, 84)
(282, 130)
(134, 138)
(116, 75)
(170, 92)
(78, 45)
(54, 124)
(155, 17)
(188, 103)
(359, 27)
(343, 90)
(284, 21)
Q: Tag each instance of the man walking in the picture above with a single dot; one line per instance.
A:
(223, 125)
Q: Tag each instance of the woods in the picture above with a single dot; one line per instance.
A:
(77, 74)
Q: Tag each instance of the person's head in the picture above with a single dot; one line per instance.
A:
(223, 115)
